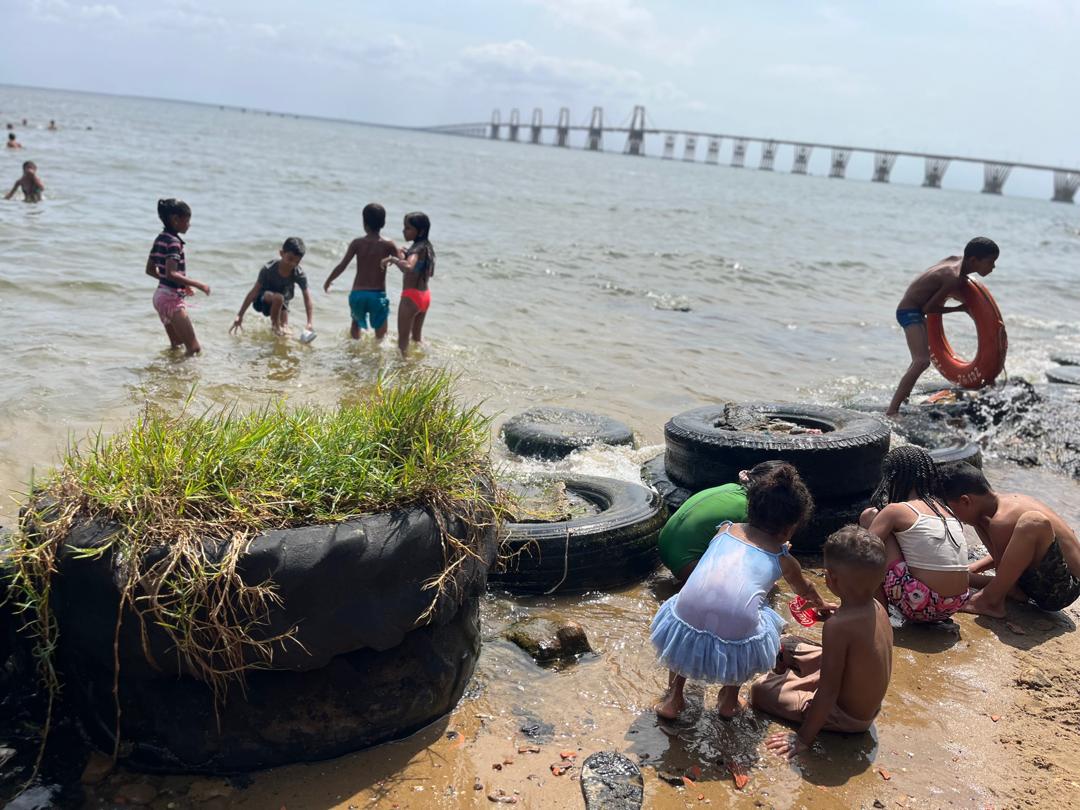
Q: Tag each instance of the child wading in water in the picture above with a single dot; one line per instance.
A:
(166, 264)
(926, 573)
(417, 267)
(719, 628)
(838, 686)
(927, 294)
(275, 287)
(368, 297)
(30, 184)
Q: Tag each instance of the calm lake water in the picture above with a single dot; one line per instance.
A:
(635, 287)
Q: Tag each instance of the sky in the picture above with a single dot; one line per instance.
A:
(988, 78)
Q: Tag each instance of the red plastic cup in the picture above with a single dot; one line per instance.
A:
(806, 616)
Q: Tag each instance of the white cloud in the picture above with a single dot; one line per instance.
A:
(623, 19)
(825, 78)
(56, 11)
(517, 64)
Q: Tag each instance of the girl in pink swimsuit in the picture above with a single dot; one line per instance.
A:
(167, 264)
(417, 267)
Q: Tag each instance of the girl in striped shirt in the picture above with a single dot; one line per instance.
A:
(166, 264)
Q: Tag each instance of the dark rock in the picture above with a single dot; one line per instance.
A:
(611, 781)
(538, 730)
(549, 639)
(97, 768)
(136, 793)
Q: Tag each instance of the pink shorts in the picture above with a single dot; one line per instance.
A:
(422, 298)
(168, 301)
(915, 599)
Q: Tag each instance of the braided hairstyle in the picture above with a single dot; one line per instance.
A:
(909, 468)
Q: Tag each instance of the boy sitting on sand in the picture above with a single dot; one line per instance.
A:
(368, 297)
(926, 295)
(275, 287)
(30, 184)
(1034, 551)
(838, 686)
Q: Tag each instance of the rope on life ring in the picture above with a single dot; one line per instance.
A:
(989, 359)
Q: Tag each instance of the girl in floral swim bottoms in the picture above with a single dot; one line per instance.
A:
(926, 574)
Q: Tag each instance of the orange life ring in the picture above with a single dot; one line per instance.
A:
(993, 342)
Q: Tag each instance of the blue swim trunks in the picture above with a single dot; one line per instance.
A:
(369, 304)
(909, 317)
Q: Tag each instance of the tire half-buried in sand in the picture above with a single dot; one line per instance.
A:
(616, 546)
(553, 433)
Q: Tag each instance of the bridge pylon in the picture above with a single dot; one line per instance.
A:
(802, 158)
(635, 138)
(536, 127)
(838, 164)
(883, 163)
(595, 140)
(1065, 186)
(496, 119)
(562, 130)
(738, 153)
(768, 155)
(690, 149)
(515, 124)
(712, 154)
(934, 171)
(994, 177)
(669, 147)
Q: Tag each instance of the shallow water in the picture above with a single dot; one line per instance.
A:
(563, 275)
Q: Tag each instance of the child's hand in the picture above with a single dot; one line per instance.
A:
(786, 744)
(237, 326)
(326, 286)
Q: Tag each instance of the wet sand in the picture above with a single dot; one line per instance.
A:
(983, 714)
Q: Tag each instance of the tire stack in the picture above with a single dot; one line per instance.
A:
(837, 452)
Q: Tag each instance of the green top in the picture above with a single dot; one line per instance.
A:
(689, 531)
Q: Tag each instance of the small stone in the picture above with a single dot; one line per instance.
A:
(97, 768)
(549, 639)
(203, 790)
(136, 793)
(878, 803)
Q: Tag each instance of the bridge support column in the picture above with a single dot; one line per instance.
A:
(934, 172)
(738, 153)
(713, 154)
(515, 124)
(595, 141)
(768, 155)
(1065, 186)
(838, 164)
(690, 149)
(994, 177)
(635, 139)
(536, 127)
(883, 163)
(495, 123)
(802, 158)
(562, 129)
(669, 147)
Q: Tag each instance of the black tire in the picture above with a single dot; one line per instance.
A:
(961, 450)
(1065, 359)
(827, 518)
(616, 547)
(1067, 375)
(842, 462)
(553, 433)
(654, 474)
(348, 586)
(357, 700)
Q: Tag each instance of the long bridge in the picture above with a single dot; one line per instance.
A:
(995, 172)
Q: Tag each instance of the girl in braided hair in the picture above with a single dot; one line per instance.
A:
(926, 575)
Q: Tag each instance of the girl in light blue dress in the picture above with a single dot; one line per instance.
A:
(719, 628)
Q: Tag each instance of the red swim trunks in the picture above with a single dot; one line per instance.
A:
(422, 298)
(915, 599)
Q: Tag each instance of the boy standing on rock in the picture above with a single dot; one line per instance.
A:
(927, 295)
(838, 686)
(1035, 553)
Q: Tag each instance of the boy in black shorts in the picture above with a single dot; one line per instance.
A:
(275, 288)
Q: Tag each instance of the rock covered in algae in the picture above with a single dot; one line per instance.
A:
(611, 781)
(549, 639)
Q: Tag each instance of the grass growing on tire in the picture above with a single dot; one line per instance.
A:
(202, 486)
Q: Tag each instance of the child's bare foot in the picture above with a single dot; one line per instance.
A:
(730, 703)
(978, 603)
(670, 707)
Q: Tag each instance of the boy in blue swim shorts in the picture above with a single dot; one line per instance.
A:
(368, 304)
(928, 294)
